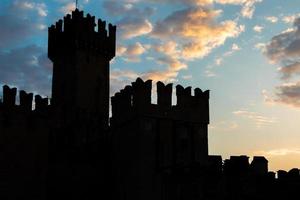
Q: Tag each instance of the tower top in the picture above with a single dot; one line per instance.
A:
(77, 32)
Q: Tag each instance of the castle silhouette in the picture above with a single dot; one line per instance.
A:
(67, 146)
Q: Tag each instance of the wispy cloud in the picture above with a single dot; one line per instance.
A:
(224, 126)
(68, 8)
(258, 28)
(272, 19)
(259, 119)
(279, 152)
(289, 19)
(131, 52)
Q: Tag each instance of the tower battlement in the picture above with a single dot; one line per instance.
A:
(135, 99)
(26, 101)
(77, 32)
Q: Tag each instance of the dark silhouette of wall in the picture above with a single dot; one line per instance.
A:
(65, 147)
(149, 139)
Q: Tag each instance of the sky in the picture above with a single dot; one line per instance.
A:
(246, 52)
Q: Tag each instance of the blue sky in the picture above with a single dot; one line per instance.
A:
(247, 52)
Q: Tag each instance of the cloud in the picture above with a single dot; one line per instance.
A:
(27, 68)
(209, 73)
(289, 70)
(248, 6)
(220, 60)
(68, 8)
(260, 46)
(187, 77)
(172, 62)
(118, 8)
(131, 52)
(235, 47)
(258, 29)
(284, 49)
(257, 118)
(184, 35)
(17, 27)
(131, 27)
(290, 18)
(284, 46)
(120, 78)
(247, 11)
(289, 94)
(134, 21)
(40, 8)
(167, 75)
(272, 19)
(224, 126)
(279, 152)
(198, 28)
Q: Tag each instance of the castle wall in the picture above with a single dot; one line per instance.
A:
(24, 142)
(149, 139)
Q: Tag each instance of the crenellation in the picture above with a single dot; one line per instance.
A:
(41, 104)
(183, 96)
(259, 165)
(164, 94)
(112, 39)
(9, 96)
(90, 23)
(67, 22)
(148, 151)
(77, 32)
(141, 93)
(137, 100)
(102, 28)
(59, 26)
(25, 101)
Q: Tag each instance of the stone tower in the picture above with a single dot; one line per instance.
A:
(81, 56)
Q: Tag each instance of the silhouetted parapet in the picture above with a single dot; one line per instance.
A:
(236, 165)
(122, 101)
(25, 101)
(77, 32)
(259, 165)
(136, 99)
(164, 94)
(183, 96)
(141, 92)
(294, 174)
(41, 104)
(9, 96)
(196, 106)
(214, 164)
(282, 175)
(271, 176)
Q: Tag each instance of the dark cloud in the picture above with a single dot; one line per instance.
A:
(22, 19)
(118, 8)
(284, 49)
(27, 68)
(289, 70)
(133, 21)
(289, 94)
